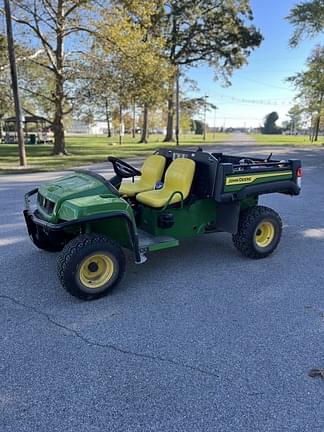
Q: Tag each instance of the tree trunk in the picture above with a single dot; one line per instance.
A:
(14, 82)
(174, 32)
(134, 120)
(58, 123)
(107, 118)
(169, 132)
(144, 137)
(318, 118)
(120, 124)
(311, 129)
(316, 127)
(59, 136)
(177, 129)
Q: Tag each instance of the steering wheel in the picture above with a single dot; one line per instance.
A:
(123, 169)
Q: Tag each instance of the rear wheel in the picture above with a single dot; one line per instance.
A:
(259, 232)
(90, 266)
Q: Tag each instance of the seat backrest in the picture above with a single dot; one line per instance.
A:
(152, 169)
(179, 176)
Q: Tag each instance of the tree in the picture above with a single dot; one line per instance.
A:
(93, 94)
(270, 126)
(49, 24)
(307, 19)
(23, 57)
(217, 33)
(198, 127)
(6, 105)
(132, 48)
(14, 85)
(185, 122)
(295, 118)
(310, 86)
(194, 106)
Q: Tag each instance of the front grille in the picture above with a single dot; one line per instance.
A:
(45, 204)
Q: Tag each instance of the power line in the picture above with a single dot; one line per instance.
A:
(263, 83)
(276, 101)
(272, 59)
(247, 118)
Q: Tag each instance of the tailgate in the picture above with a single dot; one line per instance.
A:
(242, 181)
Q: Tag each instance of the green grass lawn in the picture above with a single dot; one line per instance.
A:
(85, 150)
(286, 140)
(91, 149)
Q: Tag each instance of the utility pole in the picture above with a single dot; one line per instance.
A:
(14, 82)
(177, 107)
(214, 135)
(134, 119)
(121, 124)
(205, 110)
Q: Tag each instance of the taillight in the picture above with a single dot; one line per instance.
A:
(299, 174)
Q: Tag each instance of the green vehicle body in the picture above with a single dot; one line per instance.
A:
(80, 196)
(84, 202)
(79, 202)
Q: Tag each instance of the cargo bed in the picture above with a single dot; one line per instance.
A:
(229, 178)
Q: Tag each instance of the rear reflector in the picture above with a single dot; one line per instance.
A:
(299, 172)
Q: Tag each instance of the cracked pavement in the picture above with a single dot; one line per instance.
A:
(197, 339)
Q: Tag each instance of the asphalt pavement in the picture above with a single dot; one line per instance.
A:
(196, 339)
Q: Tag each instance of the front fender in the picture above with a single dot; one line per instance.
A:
(75, 223)
(95, 205)
(105, 214)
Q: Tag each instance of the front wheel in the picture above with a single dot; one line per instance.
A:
(259, 232)
(90, 266)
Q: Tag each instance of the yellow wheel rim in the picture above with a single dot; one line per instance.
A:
(264, 234)
(96, 270)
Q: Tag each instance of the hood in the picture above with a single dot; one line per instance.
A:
(79, 184)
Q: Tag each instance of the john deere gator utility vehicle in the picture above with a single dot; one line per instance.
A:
(179, 194)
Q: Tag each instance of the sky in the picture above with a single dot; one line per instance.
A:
(263, 79)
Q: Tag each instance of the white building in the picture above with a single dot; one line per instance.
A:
(78, 127)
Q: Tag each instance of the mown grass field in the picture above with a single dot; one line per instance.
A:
(290, 140)
(84, 150)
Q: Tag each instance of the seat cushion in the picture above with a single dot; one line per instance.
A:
(131, 189)
(157, 198)
(178, 178)
(152, 171)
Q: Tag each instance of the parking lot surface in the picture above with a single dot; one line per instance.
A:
(196, 339)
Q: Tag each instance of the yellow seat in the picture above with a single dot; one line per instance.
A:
(152, 172)
(178, 178)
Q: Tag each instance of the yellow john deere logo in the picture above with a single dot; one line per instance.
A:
(234, 180)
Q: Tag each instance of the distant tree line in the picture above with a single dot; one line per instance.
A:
(307, 19)
(115, 57)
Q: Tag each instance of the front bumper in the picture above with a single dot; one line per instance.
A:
(39, 228)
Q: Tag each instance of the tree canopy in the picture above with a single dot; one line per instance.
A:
(310, 87)
(220, 34)
(122, 53)
(307, 19)
(5, 90)
(270, 126)
(45, 26)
